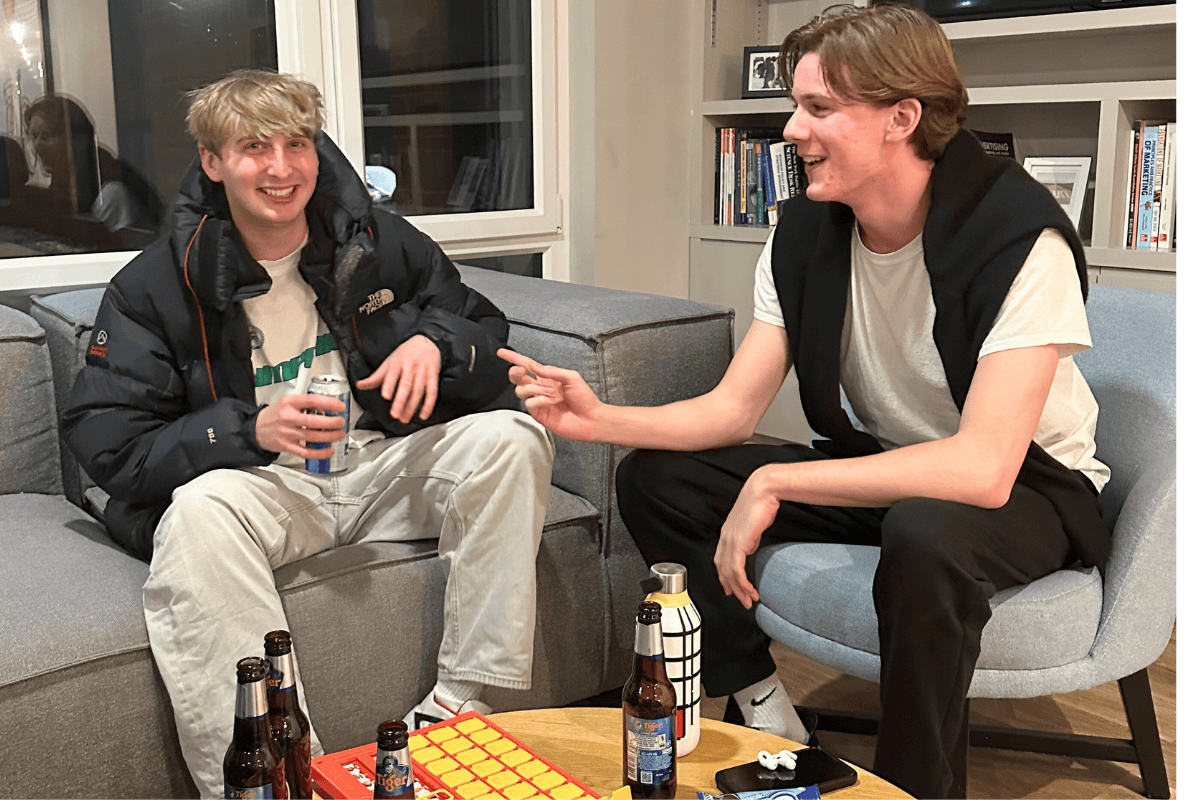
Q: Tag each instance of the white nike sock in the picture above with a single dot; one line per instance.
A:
(456, 693)
(767, 707)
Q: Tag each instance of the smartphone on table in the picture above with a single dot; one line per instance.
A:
(813, 768)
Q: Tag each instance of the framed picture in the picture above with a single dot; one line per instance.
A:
(760, 73)
(1066, 178)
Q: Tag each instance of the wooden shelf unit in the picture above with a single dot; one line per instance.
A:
(1063, 84)
(1069, 84)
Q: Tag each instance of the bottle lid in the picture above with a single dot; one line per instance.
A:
(251, 669)
(649, 613)
(392, 734)
(672, 576)
(278, 643)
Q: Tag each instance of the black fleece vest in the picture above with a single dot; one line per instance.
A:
(986, 213)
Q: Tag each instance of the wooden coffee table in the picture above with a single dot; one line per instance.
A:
(586, 742)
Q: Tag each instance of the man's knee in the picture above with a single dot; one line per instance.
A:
(657, 487)
(927, 551)
(923, 531)
(643, 474)
(198, 504)
(517, 434)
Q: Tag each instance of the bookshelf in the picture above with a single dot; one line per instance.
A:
(1071, 84)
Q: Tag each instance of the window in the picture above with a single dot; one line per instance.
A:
(95, 100)
(447, 103)
(447, 108)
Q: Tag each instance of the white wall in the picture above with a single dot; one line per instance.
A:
(633, 73)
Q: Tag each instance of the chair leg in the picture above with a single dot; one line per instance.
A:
(1143, 725)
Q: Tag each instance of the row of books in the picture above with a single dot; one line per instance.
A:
(756, 170)
(1150, 212)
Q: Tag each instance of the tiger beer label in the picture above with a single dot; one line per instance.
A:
(649, 744)
(256, 793)
(393, 774)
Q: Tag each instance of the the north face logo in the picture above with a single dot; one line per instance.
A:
(377, 301)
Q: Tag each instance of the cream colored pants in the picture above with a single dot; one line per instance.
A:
(479, 483)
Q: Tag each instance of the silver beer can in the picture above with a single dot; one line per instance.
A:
(338, 388)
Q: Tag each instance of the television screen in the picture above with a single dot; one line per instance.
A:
(959, 10)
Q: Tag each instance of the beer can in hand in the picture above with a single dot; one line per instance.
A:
(339, 389)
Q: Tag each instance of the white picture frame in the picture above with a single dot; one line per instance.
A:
(1066, 178)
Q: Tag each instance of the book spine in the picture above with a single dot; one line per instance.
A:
(795, 185)
(1135, 169)
(768, 183)
(753, 207)
(1160, 160)
(729, 176)
(739, 211)
(780, 170)
(1167, 221)
(1146, 185)
(720, 139)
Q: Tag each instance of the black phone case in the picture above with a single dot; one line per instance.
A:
(812, 767)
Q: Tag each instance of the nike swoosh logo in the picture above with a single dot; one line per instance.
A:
(754, 702)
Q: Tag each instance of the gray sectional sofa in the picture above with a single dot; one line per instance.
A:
(83, 712)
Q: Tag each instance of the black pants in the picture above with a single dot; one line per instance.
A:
(939, 564)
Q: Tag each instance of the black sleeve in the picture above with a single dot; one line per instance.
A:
(465, 325)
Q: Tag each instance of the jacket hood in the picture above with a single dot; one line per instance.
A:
(218, 267)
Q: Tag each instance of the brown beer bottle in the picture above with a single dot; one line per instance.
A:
(254, 761)
(289, 725)
(393, 767)
(648, 702)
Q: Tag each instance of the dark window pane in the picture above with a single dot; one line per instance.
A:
(529, 264)
(447, 94)
(95, 142)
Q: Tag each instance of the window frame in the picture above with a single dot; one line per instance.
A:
(319, 40)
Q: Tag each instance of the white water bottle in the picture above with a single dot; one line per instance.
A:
(681, 648)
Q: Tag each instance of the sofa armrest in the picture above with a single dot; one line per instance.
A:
(631, 348)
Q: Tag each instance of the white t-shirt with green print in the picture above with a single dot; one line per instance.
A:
(290, 344)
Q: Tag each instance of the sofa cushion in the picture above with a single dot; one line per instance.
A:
(73, 644)
(29, 445)
(68, 318)
(71, 595)
(633, 348)
(825, 591)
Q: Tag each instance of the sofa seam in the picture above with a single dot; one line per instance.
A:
(611, 332)
(72, 664)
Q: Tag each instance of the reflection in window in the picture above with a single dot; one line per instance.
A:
(528, 264)
(93, 132)
(447, 102)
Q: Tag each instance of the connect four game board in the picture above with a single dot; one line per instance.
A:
(465, 757)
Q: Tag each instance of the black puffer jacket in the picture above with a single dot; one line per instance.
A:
(167, 392)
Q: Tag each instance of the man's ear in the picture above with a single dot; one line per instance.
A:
(906, 114)
(208, 162)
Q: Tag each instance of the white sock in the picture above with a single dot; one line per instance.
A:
(767, 707)
(456, 693)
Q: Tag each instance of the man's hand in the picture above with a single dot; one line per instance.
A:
(285, 426)
(409, 378)
(559, 399)
(741, 535)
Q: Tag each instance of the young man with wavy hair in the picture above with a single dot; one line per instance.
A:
(941, 289)
(192, 413)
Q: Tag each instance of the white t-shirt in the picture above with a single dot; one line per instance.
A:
(290, 344)
(891, 370)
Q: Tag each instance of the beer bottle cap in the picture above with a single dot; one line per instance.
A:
(251, 669)
(278, 643)
(672, 576)
(392, 735)
(649, 612)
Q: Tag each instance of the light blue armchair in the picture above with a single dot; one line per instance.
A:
(1075, 629)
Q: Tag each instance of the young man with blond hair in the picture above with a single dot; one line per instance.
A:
(192, 413)
(942, 290)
